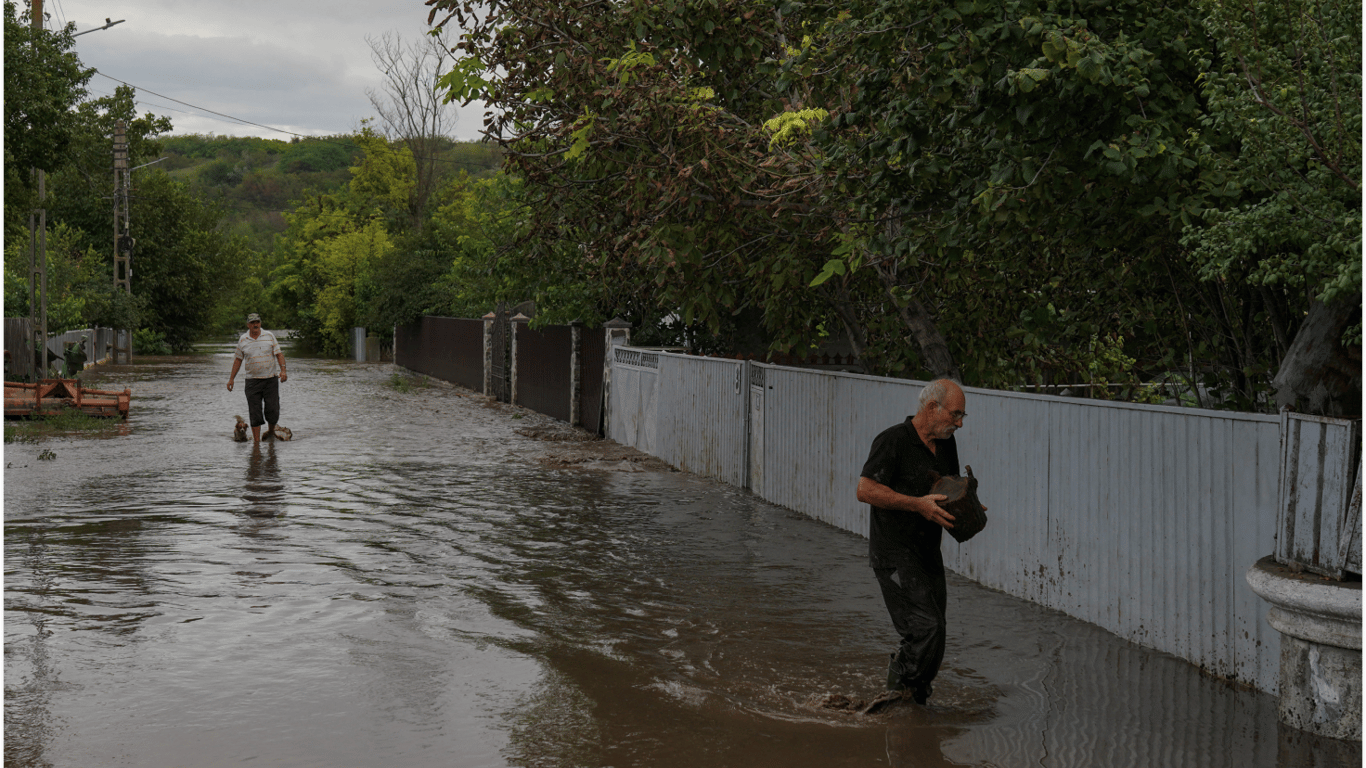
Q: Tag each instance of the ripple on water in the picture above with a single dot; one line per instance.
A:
(403, 585)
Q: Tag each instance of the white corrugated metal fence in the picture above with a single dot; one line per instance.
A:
(1140, 519)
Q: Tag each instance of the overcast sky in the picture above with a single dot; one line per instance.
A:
(301, 67)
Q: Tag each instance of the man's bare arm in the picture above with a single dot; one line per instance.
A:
(872, 492)
(236, 363)
(280, 358)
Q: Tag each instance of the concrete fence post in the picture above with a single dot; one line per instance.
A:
(575, 375)
(488, 354)
(617, 333)
(519, 321)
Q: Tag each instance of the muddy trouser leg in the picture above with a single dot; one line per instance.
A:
(256, 396)
(916, 601)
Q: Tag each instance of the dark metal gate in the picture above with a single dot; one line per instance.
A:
(544, 369)
(501, 350)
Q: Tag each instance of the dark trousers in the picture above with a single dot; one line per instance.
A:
(916, 600)
(263, 392)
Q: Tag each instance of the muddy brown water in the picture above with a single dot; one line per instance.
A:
(405, 584)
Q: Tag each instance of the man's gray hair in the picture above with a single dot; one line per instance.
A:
(934, 392)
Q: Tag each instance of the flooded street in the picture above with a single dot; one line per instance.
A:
(407, 583)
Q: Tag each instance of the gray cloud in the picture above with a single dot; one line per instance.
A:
(301, 67)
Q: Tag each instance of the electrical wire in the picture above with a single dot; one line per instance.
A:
(144, 102)
(345, 144)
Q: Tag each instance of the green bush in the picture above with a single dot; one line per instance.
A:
(149, 342)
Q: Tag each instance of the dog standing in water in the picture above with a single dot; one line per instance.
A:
(239, 432)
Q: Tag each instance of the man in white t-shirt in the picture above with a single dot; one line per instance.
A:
(260, 352)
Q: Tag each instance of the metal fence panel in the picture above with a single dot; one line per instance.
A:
(591, 352)
(1140, 519)
(701, 416)
(543, 369)
(1351, 545)
(1320, 455)
(632, 414)
(446, 348)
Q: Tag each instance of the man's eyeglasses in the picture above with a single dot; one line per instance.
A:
(957, 415)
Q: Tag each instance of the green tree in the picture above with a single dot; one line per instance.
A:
(182, 262)
(647, 191)
(44, 80)
(334, 243)
(1288, 88)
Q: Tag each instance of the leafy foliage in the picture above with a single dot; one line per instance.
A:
(182, 257)
(44, 80)
(1006, 189)
(1289, 92)
(637, 133)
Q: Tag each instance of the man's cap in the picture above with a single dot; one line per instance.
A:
(253, 318)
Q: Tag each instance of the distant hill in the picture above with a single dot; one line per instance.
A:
(258, 180)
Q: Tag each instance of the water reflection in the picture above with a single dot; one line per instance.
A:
(263, 490)
(910, 746)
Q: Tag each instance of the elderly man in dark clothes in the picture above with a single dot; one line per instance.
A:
(905, 527)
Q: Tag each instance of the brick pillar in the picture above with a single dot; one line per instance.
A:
(575, 374)
(518, 321)
(488, 354)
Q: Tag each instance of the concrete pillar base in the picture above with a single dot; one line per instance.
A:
(1320, 626)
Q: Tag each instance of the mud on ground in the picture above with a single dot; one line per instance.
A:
(565, 446)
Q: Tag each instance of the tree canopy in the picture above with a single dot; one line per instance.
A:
(1015, 191)
(182, 256)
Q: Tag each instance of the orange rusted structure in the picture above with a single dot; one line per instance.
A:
(50, 397)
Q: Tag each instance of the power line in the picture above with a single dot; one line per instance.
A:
(203, 109)
(348, 145)
(144, 102)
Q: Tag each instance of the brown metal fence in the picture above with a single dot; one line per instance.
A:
(591, 354)
(452, 350)
(543, 369)
(447, 348)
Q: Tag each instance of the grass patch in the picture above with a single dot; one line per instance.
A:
(407, 383)
(70, 422)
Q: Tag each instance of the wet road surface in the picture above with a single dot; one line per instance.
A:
(405, 584)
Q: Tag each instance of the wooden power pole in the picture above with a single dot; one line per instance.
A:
(37, 254)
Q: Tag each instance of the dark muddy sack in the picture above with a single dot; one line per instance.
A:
(969, 516)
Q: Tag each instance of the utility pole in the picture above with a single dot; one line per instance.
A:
(37, 254)
(123, 239)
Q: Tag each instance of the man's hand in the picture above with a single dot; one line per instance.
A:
(283, 377)
(229, 385)
(872, 492)
(930, 510)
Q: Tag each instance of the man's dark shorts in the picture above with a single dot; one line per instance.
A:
(263, 392)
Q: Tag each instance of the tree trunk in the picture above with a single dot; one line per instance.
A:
(853, 329)
(1319, 374)
(933, 348)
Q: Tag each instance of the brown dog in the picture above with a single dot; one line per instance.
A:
(239, 432)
